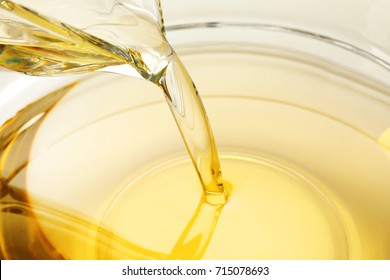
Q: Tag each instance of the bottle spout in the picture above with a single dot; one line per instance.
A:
(112, 32)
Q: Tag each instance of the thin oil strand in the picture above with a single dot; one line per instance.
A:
(75, 51)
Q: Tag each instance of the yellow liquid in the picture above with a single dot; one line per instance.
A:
(87, 182)
(55, 48)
